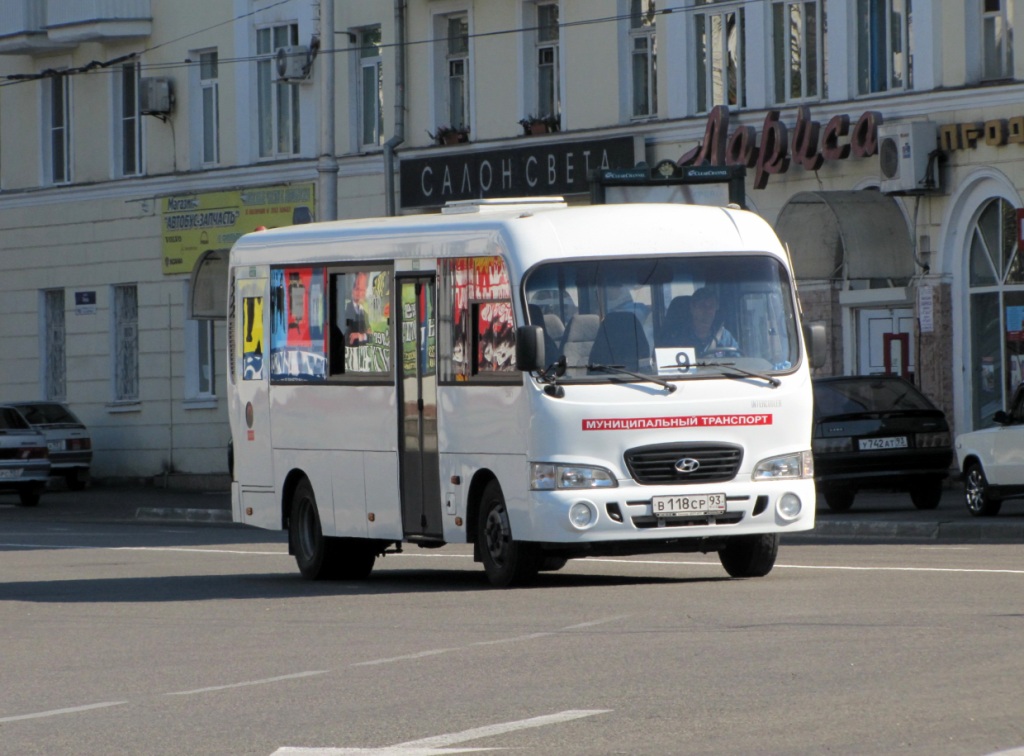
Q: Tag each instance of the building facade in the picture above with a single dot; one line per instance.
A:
(139, 138)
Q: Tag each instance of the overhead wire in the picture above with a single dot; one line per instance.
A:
(100, 66)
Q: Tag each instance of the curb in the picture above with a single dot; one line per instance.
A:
(934, 531)
(178, 514)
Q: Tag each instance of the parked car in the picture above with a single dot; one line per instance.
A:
(67, 438)
(878, 432)
(991, 460)
(24, 460)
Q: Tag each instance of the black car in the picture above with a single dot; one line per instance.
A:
(878, 432)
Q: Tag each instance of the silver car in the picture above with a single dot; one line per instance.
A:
(67, 438)
(24, 458)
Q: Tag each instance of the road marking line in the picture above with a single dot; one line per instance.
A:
(197, 550)
(265, 681)
(439, 741)
(69, 710)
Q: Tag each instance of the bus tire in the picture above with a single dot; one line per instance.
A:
(507, 562)
(750, 556)
(306, 536)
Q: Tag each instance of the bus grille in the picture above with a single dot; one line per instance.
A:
(657, 465)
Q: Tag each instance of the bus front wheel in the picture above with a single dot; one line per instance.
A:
(320, 557)
(506, 561)
(750, 556)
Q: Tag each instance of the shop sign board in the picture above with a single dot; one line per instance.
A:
(549, 168)
(195, 223)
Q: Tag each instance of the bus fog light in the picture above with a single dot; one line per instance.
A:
(582, 515)
(789, 506)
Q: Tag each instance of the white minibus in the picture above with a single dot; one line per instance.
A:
(543, 382)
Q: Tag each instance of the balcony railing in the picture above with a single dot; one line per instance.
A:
(98, 20)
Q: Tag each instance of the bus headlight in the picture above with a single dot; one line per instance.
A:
(797, 465)
(548, 477)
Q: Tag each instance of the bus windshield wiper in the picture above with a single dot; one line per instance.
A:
(742, 373)
(619, 370)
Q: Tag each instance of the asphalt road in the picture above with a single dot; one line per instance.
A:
(159, 636)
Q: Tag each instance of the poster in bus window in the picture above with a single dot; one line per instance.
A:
(297, 332)
(366, 327)
(252, 338)
(465, 280)
(496, 344)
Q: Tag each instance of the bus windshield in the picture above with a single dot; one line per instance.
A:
(671, 317)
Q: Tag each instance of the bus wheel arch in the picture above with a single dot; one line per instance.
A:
(321, 557)
(291, 482)
(506, 561)
(474, 497)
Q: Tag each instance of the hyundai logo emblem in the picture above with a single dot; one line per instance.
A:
(687, 465)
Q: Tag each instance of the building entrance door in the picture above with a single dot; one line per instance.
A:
(885, 341)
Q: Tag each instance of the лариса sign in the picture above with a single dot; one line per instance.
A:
(774, 151)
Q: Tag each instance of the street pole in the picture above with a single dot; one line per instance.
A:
(327, 161)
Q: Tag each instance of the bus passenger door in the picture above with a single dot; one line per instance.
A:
(252, 454)
(417, 414)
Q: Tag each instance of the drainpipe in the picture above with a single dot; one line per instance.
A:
(399, 136)
(327, 161)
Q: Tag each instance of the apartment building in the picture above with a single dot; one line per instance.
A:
(139, 138)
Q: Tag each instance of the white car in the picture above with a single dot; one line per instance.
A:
(992, 460)
(24, 458)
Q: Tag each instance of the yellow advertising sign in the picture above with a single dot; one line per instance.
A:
(195, 223)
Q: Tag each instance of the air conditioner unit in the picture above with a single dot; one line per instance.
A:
(905, 157)
(293, 63)
(156, 96)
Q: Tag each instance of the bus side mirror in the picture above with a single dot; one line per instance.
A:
(530, 348)
(817, 347)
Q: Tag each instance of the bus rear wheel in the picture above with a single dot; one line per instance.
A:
(318, 556)
(750, 556)
(507, 562)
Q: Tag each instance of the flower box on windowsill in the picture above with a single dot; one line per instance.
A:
(540, 125)
(449, 135)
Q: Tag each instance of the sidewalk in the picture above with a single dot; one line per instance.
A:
(874, 515)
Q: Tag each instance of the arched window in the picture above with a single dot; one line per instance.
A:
(995, 273)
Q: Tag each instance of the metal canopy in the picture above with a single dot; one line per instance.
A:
(209, 286)
(846, 235)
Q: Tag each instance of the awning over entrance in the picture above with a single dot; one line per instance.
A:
(846, 235)
(209, 286)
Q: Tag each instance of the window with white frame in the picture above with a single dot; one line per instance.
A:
(457, 71)
(884, 54)
(798, 50)
(126, 342)
(643, 58)
(371, 88)
(128, 136)
(57, 140)
(719, 55)
(200, 359)
(997, 39)
(277, 102)
(543, 98)
(209, 90)
(54, 344)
